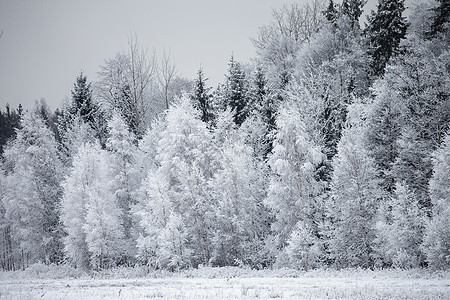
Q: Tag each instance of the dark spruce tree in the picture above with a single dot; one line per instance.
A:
(82, 104)
(264, 104)
(386, 28)
(353, 9)
(201, 97)
(441, 21)
(84, 108)
(331, 13)
(9, 122)
(236, 91)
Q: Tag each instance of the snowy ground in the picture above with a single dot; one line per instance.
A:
(232, 284)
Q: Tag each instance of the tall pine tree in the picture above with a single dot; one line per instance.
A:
(202, 98)
(384, 32)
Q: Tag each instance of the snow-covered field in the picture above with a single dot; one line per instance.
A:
(228, 283)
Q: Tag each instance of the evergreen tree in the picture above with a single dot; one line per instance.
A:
(235, 93)
(441, 21)
(263, 111)
(201, 97)
(384, 32)
(353, 9)
(384, 122)
(82, 102)
(82, 108)
(9, 122)
(331, 13)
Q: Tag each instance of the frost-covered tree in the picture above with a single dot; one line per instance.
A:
(83, 104)
(81, 109)
(302, 248)
(441, 20)
(333, 70)
(73, 205)
(185, 158)
(241, 218)
(413, 164)
(90, 212)
(293, 189)
(126, 176)
(103, 217)
(264, 105)
(127, 83)
(437, 235)
(173, 252)
(400, 235)
(236, 92)
(354, 192)
(31, 199)
(384, 32)
(384, 122)
(353, 9)
(76, 134)
(278, 42)
(202, 97)
(411, 114)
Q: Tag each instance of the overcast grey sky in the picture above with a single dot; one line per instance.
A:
(45, 44)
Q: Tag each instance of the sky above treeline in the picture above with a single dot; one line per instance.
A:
(45, 44)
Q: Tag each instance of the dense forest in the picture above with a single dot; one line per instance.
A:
(331, 148)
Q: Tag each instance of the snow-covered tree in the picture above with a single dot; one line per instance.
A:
(31, 199)
(293, 189)
(173, 252)
(75, 134)
(353, 9)
(103, 216)
(278, 42)
(332, 68)
(75, 196)
(437, 236)
(82, 108)
(384, 32)
(384, 122)
(126, 176)
(302, 248)
(441, 20)
(401, 234)
(185, 158)
(236, 92)
(241, 218)
(90, 212)
(202, 98)
(413, 164)
(354, 192)
(127, 83)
